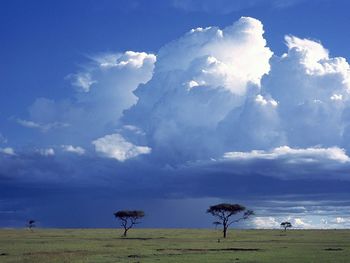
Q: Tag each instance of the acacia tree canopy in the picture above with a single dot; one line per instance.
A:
(224, 211)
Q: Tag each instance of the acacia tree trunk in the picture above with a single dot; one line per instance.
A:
(125, 230)
(225, 230)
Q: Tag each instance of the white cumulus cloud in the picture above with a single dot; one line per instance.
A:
(7, 151)
(116, 147)
(47, 152)
(70, 148)
(198, 80)
(336, 97)
(262, 101)
(128, 59)
(216, 57)
(294, 155)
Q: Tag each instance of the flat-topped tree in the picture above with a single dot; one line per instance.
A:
(286, 225)
(223, 212)
(129, 218)
(31, 224)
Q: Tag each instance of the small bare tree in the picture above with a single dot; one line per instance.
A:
(31, 224)
(286, 225)
(128, 218)
(216, 224)
(224, 212)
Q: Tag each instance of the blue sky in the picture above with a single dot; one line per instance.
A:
(172, 106)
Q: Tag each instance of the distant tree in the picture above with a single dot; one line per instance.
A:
(128, 218)
(216, 224)
(286, 225)
(223, 212)
(31, 224)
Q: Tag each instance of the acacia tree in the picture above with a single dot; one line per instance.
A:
(223, 212)
(128, 218)
(31, 224)
(286, 225)
(216, 224)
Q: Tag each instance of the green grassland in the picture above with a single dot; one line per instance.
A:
(173, 245)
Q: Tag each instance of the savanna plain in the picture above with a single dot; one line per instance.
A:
(173, 245)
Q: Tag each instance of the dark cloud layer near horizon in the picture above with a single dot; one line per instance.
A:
(66, 200)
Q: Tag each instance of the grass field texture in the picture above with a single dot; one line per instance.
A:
(173, 245)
